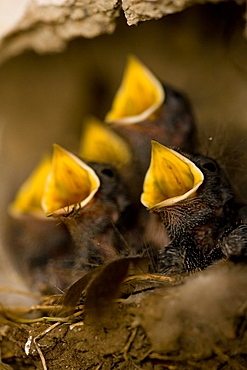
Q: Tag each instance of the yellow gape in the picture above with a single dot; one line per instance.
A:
(99, 143)
(171, 177)
(139, 96)
(28, 198)
(70, 183)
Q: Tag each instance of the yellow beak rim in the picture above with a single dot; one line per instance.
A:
(171, 178)
(139, 96)
(71, 183)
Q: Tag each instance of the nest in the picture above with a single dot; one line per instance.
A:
(119, 317)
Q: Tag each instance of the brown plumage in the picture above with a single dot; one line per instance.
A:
(101, 223)
(200, 224)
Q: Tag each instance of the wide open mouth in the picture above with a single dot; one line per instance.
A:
(99, 143)
(28, 198)
(138, 97)
(171, 177)
(70, 183)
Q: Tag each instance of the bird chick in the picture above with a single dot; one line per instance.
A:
(32, 240)
(193, 198)
(100, 144)
(91, 200)
(145, 109)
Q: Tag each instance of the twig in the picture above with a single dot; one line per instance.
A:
(21, 292)
(221, 355)
(98, 367)
(37, 345)
(128, 344)
(149, 277)
(26, 310)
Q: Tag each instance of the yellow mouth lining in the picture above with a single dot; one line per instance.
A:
(70, 182)
(102, 145)
(139, 96)
(28, 198)
(170, 178)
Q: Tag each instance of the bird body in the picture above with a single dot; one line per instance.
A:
(98, 219)
(35, 243)
(194, 222)
(97, 228)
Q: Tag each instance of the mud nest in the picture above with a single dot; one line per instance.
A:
(119, 317)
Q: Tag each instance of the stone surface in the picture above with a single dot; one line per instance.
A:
(139, 11)
(46, 25)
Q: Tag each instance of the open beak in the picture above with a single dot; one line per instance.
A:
(140, 95)
(102, 145)
(28, 198)
(70, 183)
(171, 177)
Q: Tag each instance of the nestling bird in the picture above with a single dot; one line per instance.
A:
(91, 200)
(100, 144)
(145, 109)
(32, 240)
(93, 219)
(193, 198)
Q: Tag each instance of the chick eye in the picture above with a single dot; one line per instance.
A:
(107, 172)
(210, 166)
